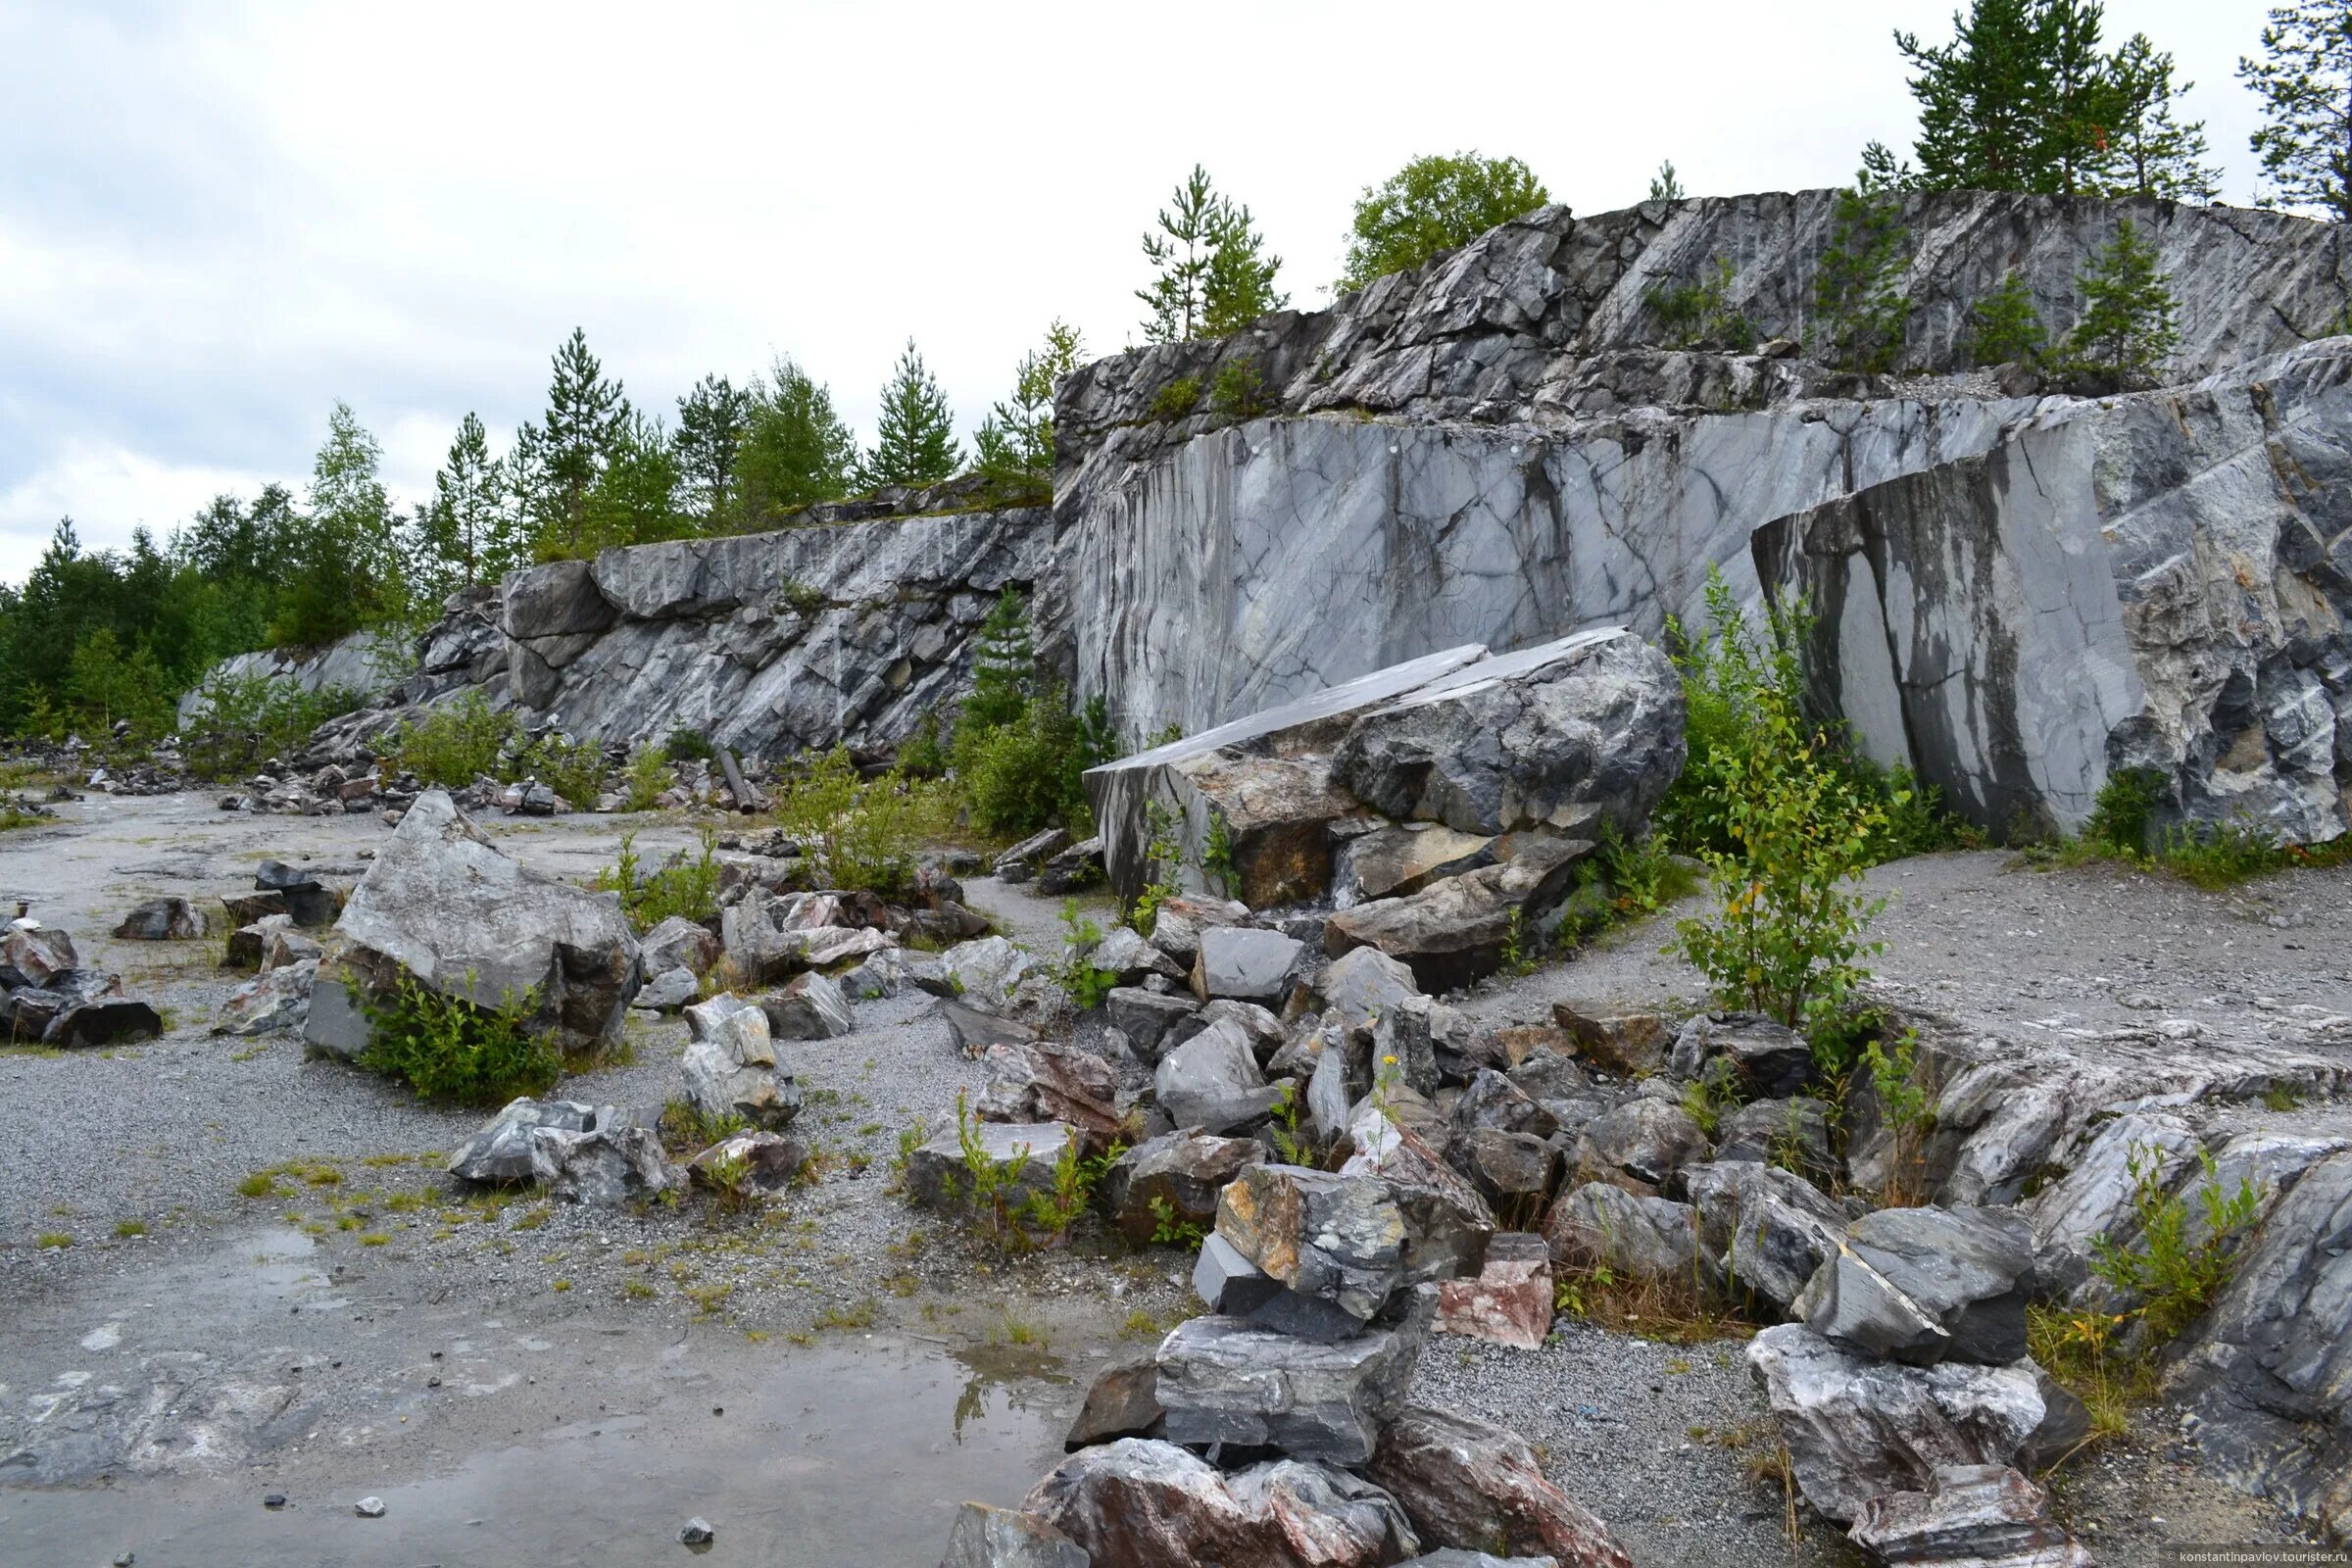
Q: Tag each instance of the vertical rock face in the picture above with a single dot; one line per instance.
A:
(2159, 581)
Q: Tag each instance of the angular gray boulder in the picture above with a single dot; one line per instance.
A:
(986, 1537)
(1212, 1081)
(729, 1067)
(499, 1153)
(442, 905)
(938, 1180)
(1925, 1285)
(1244, 963)
(810, 1007)
(1223, 1380)
(1338, 1238)
(1470, 1484)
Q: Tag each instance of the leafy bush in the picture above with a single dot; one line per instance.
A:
(247, 719)
(1177, 399)
(2123, 811)
(649, 775)
(1239, 392)
(687, 745)
(922, 754)
(2003, 327)
(1907, 1103)
(681, 886)
(1698, 313)
(455, 745)
(861, 835)
(448, 1048)
(987, 1185)
(1087, 985)
(1859, 300)
(1016, 777)
(2175, 1278)
(573, 769)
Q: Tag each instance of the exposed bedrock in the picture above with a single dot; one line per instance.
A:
(2157, 582)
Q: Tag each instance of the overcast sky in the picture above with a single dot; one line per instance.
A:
(216, 220)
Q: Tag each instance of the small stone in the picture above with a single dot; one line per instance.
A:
(695, 1532)
(276, 1500)
(368, 1507)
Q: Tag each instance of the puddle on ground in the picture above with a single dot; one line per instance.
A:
(836, 1455)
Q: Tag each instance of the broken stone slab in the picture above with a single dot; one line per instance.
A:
(1072, 869)
(977, 1031)
(102, 1019)
(337, 1023)
(1212, 1081)
(35, 954)
(937, 1178)
(442, 905)
(1446, 1220)
(276, 998)
(893, 972)
(1395, 859)
(500, 1153)
(1224, 1379)
(1123, 1401)
(1509, 1301)
(1175, 1179)
(1457, 931)
(1599, 1225)
(679, 943)
(987, 973)
(1514, 1172)
(729, 1067)
(1471, 1486)
(615, 1162)
(1238, 1289)
(1494, 1101)
(1630, 1044)
(759, 1161)
(1971, 1516)
(1762, 1231)
(810, 1007)
(164, 920)
(1020, 862)
(557, 600)
(985, 1537)
(1857, 1428)
(1177, 924)
(1264, 777)
(1244, 963)
(1638, 1145)
(668, 991)
(1150, 1504)
(1038, 1081)
(249, 943)
(1769, 1061)
(1564, 736)
(1925, 1285)
(1146, 1019)
(1339, 1238)
(1355, 989)
(284, 945)
(1128, 957)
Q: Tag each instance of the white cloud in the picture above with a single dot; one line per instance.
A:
(87, 481)
(215, 221)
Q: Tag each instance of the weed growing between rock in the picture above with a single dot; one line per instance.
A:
(681, 886)
(2173, 1278)
(1088, 986)
(861, 833)
(448, 1048)
(2123, 826)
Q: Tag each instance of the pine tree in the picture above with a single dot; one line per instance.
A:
(796, 450)
(915, 434)
(468, 531)
(2304, 81)
(346, 571)
(1664, 185)
(2020, 99)
(714, 420)
(2151, 152)
(1212, 274)
(1015, 442)
(1004, 668)
(555, 464)
(1858, 289)
(2004, 328)
(635, 498)
(1430, 205)
(1882, 173)
(2126, 331)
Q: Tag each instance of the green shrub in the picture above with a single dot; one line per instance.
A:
(247, 719)
(1698, 313)
(448, 1048)
(1239, 392)
(2124, 812)
(1904, 1083)
(1861, 309)
(681, 886)
(2176, 1279)
(1018, 775)
(861, 833)
(573, 769)
(1177, 399)
(986, 1186)
(1087, 985)
(455, 745)
(648, 778)
(2004, 328)
(687, 745)
(922, 754)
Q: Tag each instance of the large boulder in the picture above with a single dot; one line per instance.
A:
(1244, 963)
(1446, 1220)
(1338, 1238)
(1212, 1081)
(1142, 1504)
(499, 1153)
(1457, 930)
(1638, 1145)
(1925, 1285)
(1566, 736)
(1356, 988)
(1225, 1379)
(1598, 1225)
(1146, 1019)
(1857, 1428)
(1174, 1180)
(33, 955)
(985, 1537)
(938, 1179)
(1510, 1299)
(810, 1007)
(166, 919)
(1037, 1082)
(1472, 1486)
(1762, 1231)
(730, 1065)
(276, 998)
(679, 943)
(445, 908)
(615, 1162)
(1765, 1059)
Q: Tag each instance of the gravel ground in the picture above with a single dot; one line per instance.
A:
(1656, 1438)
